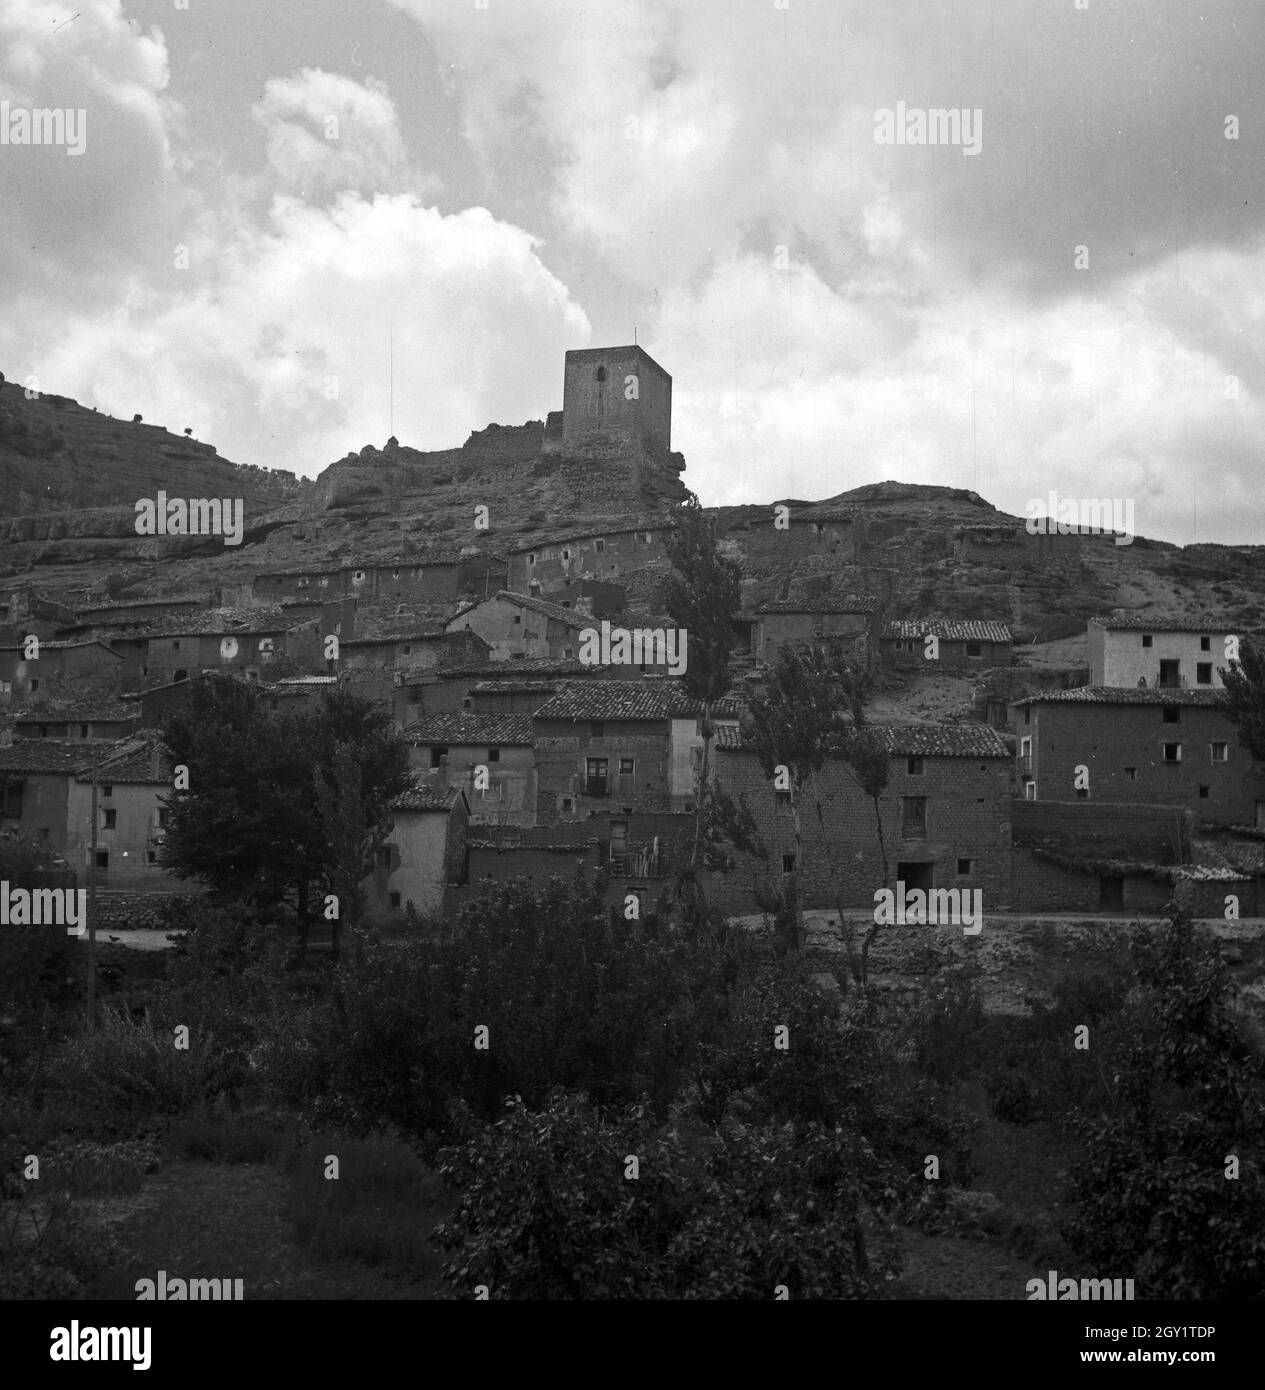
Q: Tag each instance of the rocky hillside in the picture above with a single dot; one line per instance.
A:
(69, 478)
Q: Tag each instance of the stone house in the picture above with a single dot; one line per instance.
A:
(1138, 746)
(945, 815)
(517, 626)
(851, 621)
(959, 644)
(1157, 653)
(131, 820)
(63, 670)
(96, 721)
(555, 562)
(487, 756)
(425, 857)
(618, 747)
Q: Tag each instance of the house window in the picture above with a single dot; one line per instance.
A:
(1147, 639)
(493, 791)
(494, 755)
(43, 731)
(1131, 773)
(914, 765)
(164, 817)
(180, 674)
(597, 730)
(110, 820)
(626, 766)
(566, 554)
(600, 374)
(35, 685)
(393, 897)
(1205, 644)
(1082, 793)
(103, 859)
(437, 755)
(1203, 673)
(1220, 752)
(1203, 793)
(595, 775)
(175, 646)
(107, 789)
(567, 804)
(1170, 674)
(1171, 715)
(964, 867)
(531, 558)
(518, 617)
(1172, 752)
(788, 863)
(974, 649)
(783, 802)
(599, 545)
(1030, 791)
(151, 856)
(83, 731)
(913, 816)
(358, 577)
(1027, 714)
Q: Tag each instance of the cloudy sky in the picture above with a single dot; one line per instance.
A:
(275, 199)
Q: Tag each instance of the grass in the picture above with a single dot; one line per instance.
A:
(379, 1210)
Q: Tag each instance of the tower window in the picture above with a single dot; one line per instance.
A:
(600, 374)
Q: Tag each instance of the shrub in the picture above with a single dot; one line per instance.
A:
(548, 1210)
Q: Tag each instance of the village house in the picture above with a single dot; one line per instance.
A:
(69, 670)
(487, 756)
(618, 747)
(435, 576)
(452, 687)
(517, 626)
(554, 562)
(425, 857)
(422, 648)
(959, 644)
(253, 647)
(1157, 653)
(852, 621)
(945, 815)
(95, 721)
(131, 821)
(1138, 746)
(35, 785)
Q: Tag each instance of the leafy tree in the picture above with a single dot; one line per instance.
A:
(1153, 1196)
(702, 594)
(274, 809)
(1244, 696)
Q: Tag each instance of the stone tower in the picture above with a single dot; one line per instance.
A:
(617, 404)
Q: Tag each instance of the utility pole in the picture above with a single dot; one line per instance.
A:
(92, 905)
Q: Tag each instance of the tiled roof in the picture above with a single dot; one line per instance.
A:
(45, 755)
(515, 668)
(462, 727)
(62, 646)
(514, 688)
(650, 699)
(556, 611)
(728, 736)
(945, 741)
(426, 796)
(1128, 695)
(619, 528)
(79, 713)
(1134, 624)
(140, 760)
(122, 604)
(948, 629)
(383, 639)
(308, 680)
(921, 740)
(826, 604)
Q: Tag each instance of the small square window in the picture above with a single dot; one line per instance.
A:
(783, 802)
(567, 804)
(111, 819)
(974, 649)
(494, 755)
(1082, 793)
(788, 863)
(151, 856)
(964, 867)
(1205, 644)
(394, 898)
(1131, 773)
(1172, 752)
(1203, 672)
(626, 766)
(107, 789)
(437, 755)
(597, 730)
(1220, 752)
(1203, 793)
(1030, 791)
(1171, 715)
(83, 731)
(531, 559)
(103, 859)
(1147, 640)
(914, 765)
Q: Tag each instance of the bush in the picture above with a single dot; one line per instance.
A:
(548, 1209)
(219, 1140)
(128, 1070)
(48, 1249)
